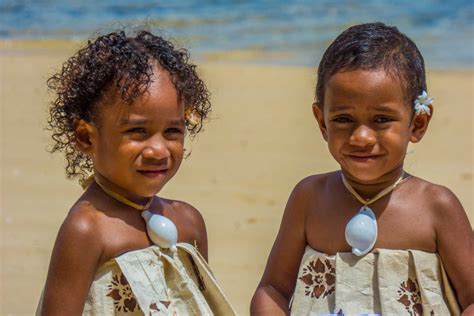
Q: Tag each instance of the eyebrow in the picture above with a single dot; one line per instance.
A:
(379, 107)
(338, 108)
(384, 108)
(128, 121)
(140, 121)
(178, 122)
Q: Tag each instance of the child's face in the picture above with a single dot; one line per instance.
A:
(139, 147)
(366, 122)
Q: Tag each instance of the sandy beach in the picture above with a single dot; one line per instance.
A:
(262, 139)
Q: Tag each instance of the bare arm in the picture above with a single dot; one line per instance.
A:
(75, 257)
(455, 242)
(274, 292)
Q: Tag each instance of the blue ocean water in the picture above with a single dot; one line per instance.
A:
(297, 31)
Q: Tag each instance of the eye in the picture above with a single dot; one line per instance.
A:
(136, 130)
(383, 119)
(342, 119)
(174, 130)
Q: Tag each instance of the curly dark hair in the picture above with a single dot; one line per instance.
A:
(126, 63)
(373, 46)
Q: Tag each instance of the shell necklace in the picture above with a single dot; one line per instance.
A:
(361, 230)
(161, 230)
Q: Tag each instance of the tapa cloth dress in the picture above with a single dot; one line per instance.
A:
(153, 281)
(386, 282)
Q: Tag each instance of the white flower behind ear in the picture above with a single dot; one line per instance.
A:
(422, 103)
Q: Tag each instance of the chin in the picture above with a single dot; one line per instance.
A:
(150, 193)
(145, 191)
(150, 187)
(362, 176)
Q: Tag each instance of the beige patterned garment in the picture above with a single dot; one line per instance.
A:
(152, 281)
(386, 282)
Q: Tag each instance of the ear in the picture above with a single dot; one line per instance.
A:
(420, 125)
(318, 113)
(85, 136)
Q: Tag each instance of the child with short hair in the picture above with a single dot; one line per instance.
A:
(123, 108)
(370, 238)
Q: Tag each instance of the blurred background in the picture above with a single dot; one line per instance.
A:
(259, 61)
(284, 32)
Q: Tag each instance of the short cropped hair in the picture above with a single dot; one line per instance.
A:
(374, 46)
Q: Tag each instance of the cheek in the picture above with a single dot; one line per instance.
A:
(103, 148)
(336, 136)
(400, 130)
(335, 143)
(177, 154)
(114, 151)
(396, 138)
(177, 149)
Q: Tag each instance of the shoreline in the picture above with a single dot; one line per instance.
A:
(252, 56)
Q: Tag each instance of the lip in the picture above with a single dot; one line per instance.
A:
(153, 173)
(362, 157)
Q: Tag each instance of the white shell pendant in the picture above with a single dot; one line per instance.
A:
(361, 231)
(161, 230)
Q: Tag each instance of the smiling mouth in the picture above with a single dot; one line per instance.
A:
(363, 158)
(153, 173)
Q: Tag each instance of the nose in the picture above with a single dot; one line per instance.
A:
(363, 136)
(156, 149)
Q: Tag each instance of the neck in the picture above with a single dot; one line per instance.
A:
(368, 189)
(105, 184)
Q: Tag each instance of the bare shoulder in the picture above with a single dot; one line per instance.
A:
(306, 194)
(311, 187)
(190, 223)
(444, 208)
(82, 222)
(81, 229)
(439, 199)
(439, 194)
(185, 211)
(315, 183)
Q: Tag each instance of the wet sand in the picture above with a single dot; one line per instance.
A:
(261, 141)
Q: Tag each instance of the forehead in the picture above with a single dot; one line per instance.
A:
(362, 87)
(159, 101)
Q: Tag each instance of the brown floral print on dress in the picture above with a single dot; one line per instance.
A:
(409, 295)
(154, 306)
(161, 306)
(319, 278)
(121, 293)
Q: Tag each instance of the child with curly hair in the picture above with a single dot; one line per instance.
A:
(123, 108)
(370, 238)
